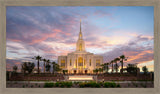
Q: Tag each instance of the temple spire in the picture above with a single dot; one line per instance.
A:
(80, 33)
(80, 25)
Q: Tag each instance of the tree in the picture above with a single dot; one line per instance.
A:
(24, 67)
(48, 66)
(44, 64)
(132, 68)
(64, 71)
(112, 65)
(103, 67)
(28, 66)
(107, 67)
(15, 68)
(145, 69)
(57, 69)
(116, 60)
(100, 70)
(122, 59)
(116, 67)
(95, 71)
(54, 67)
(38, 58)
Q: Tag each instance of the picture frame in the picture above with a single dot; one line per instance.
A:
(4, 3)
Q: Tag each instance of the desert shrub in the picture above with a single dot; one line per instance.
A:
(49, 84)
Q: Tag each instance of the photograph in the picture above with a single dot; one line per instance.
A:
(79, 46)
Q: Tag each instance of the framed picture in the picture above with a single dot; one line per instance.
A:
(74, 46)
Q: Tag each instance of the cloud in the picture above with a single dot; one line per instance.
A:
(136, 53)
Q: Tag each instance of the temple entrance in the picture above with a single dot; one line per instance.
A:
(75, 71)
(80, 72)
(80, 62)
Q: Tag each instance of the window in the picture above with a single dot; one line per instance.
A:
(80, 61)
(84, 63)
(97, 62)
(70, 62)
(80, 47)
(63, 63)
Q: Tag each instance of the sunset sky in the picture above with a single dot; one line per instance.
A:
(107, 31)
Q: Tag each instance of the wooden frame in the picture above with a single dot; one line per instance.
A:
(4, 3)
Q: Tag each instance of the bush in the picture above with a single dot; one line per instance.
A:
(68, 84)
(57, 84)
(118, 85)
(81, 85)
(31, 86)
(63, 84)
(76, 83)
(23, 86)
(49, 84)
(110, 84)
(89, 84)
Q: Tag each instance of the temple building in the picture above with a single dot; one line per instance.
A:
(80, 61)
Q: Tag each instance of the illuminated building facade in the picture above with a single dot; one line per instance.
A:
(80, 61)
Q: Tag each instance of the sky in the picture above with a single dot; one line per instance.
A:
(52, 31)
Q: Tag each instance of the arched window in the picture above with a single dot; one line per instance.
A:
(80, 47)
(63, 63)
(90, 62)
(70, 62)
(97, 63)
